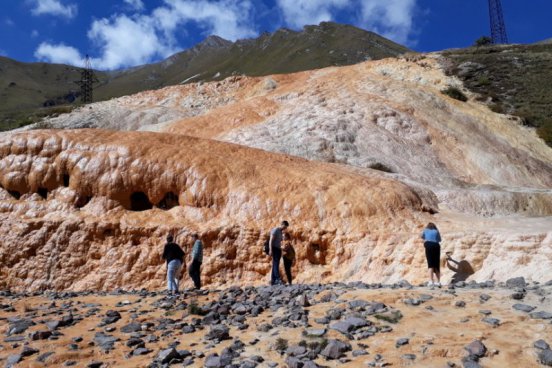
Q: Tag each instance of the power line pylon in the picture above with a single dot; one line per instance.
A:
(86, 83)
(498, 28)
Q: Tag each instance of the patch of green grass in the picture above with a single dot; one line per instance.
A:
(455, 93)
(18, 120)
(195, 309)
(281, 344)
(545, 132)
(392, 317)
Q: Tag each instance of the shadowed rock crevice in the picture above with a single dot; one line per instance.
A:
(139, 201)
(43, 192)
(169, 201)
(15, 194)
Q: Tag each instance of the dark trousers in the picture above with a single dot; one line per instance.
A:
(275, 275)
(195, 273)
(287, 266)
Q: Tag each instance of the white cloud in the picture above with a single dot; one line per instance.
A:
(298, 13)
(390, 18)
(135, 4)
(9, 22)
(125, 40)
(54, 7)
(59, 53)
(34, 33)
(230, 19)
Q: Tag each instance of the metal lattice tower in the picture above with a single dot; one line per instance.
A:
(86, 83)
(498, 28)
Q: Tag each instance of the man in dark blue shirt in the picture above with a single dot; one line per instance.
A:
(197, 259)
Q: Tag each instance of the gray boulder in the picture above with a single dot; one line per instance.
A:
(545, 357)
(335, 349)
(476, 348)
(518, 282)
(218, 332)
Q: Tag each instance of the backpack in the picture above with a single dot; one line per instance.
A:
(267, 246)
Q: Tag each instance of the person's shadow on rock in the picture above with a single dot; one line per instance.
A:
(462, 270)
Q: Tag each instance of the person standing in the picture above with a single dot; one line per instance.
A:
(289, 256)
(275, 251)
(432, 238)
(197, 260)
(174, 256)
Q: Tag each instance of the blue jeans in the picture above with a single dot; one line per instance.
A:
(173, 274)
(275, 275)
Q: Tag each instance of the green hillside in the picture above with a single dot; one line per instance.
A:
(27, 87)
(514, 79)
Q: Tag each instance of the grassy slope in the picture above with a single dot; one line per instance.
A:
(24, 87)
(515, 79)
(281, 52)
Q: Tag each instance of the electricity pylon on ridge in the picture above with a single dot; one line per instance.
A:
(498, 28)
(86, 83)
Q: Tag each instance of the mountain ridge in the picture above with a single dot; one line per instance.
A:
(40, 85)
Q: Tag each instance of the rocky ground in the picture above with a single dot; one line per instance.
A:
(486, 324)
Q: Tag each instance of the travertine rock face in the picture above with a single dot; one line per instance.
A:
(387, 151)
(388, 114)
(111, 197)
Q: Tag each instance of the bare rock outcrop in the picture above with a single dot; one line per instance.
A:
(88, 209)
(388, 115)
(362, 157)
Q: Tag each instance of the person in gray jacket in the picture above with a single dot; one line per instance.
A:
(197, 260)
(275, 252)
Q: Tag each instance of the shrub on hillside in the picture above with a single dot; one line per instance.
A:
(483, 41)
(545, 132)
(455, 93)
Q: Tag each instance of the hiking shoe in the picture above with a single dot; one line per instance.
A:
(438, 284)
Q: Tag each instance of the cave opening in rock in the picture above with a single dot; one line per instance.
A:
(82, 201)
(139, 202)
(43, 192)
(316, 254)
(15, 194)
(65, 180)
(169, 201)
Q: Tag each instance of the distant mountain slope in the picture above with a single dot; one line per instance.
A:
(25, 87)
(283, 51)
(513, 79)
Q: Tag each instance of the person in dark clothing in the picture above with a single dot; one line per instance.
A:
(197, 259)
(433, 253)
(275, 251)
(289, 256)
(174, 256)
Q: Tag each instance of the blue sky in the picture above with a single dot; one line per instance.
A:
(123, 33)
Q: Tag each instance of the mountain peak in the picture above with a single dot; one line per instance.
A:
(213, 41)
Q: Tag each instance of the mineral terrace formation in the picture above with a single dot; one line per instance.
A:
(359, 159)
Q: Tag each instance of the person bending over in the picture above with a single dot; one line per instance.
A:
(174, 256)
(289, 256)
